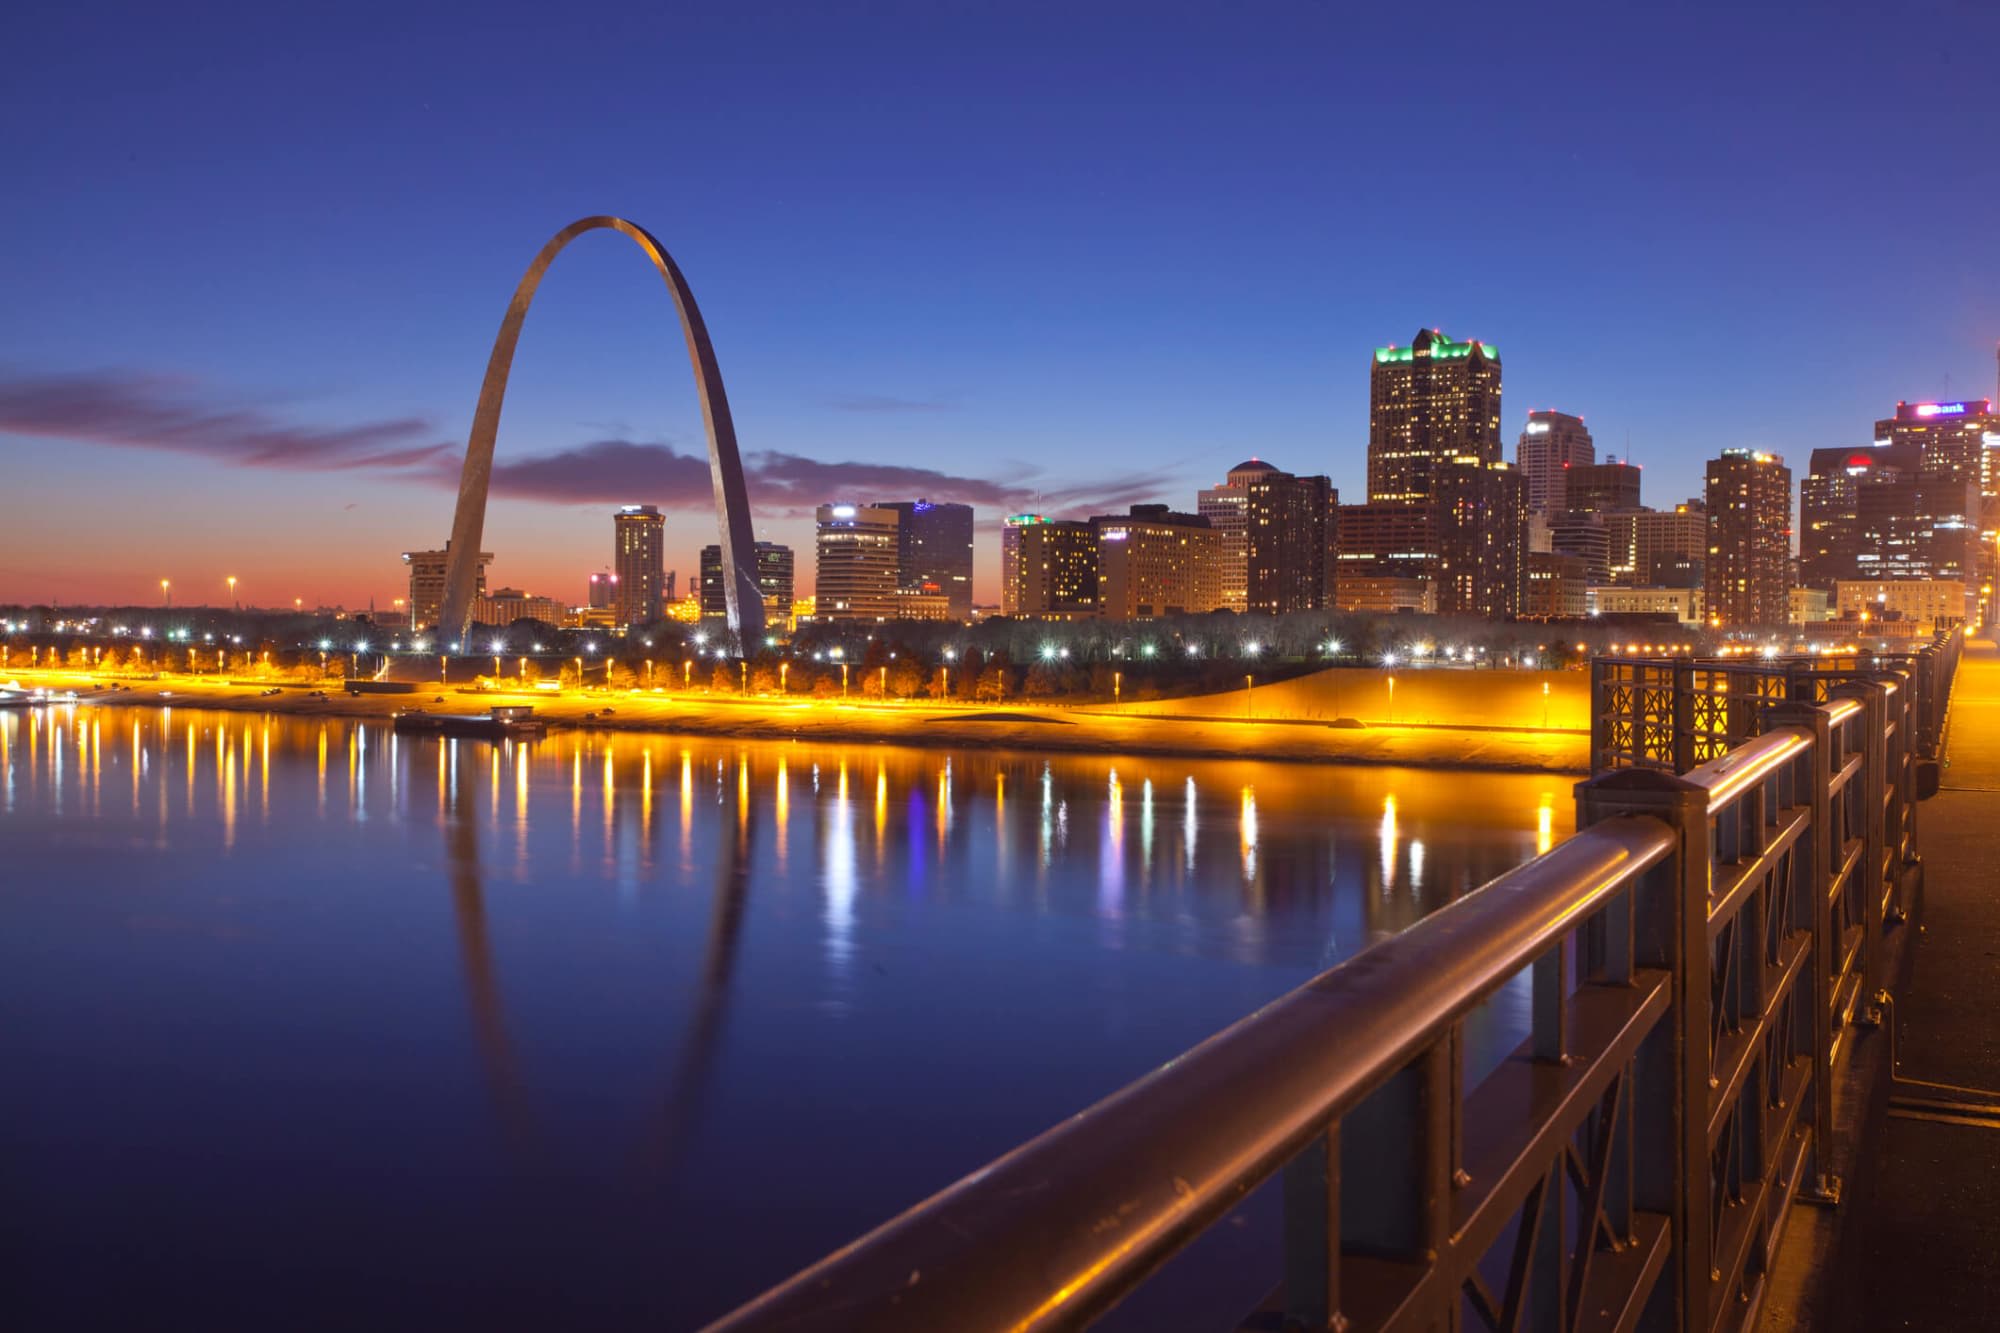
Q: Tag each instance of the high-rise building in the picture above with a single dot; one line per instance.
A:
(859, 550)
(1749, 498)
(1881, 512)
(1557, 587)
(1602, 488)
(1010, 559)
(1481, 514)
(1588, 537)
(1950, 438)
(603, 591)
(1550, 444)
(1154, 562)
(427, 569)
(508, 605)
(1428, 403)
(1291, 552)
(639, 534)
(1386, 541)
(1655, 548)
(1223, 507)
(1056, 572)
(774, 581)
(934, 548)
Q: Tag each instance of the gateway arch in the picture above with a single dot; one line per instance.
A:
(725, 466)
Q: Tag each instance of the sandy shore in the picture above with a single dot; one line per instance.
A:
(1008, 726)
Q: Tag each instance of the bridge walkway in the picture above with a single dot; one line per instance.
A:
(1923, 1249)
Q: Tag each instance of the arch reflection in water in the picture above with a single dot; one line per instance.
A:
(1067, 931)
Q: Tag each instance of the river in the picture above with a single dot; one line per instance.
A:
(308, 1025)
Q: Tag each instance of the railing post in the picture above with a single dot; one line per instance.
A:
(1874, 832)
(1671, 1084)
(1813, 911)
(1682, 754)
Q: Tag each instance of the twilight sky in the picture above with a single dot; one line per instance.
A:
(255, 256)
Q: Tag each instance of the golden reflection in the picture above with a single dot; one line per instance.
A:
(1545, 823)
(944, 805)
(226, 772)
(687, 805)
(1111, 865)
(264, 773)
(137, 752)
(784, 807)
(493, 802)
(646, 790)
(190, 768)
(610, 801)
(576, 794)
(1247, 826)
(1416, 864)
(742, 787)
(881, 807)
(1389, 838)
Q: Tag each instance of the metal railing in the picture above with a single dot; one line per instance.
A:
(1694, 952)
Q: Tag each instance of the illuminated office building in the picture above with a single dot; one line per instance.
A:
(859, 562)
(1428, 403)
(1153, 562)
(427, 570)
(1749, 498)
(1290, 527)
(775, 570)
(1550, 444)
(934, 551)
(639, 535)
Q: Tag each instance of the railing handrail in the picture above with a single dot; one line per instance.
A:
(1729, 776)
(1071, 1221)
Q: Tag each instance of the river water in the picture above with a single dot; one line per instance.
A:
(307, 1025)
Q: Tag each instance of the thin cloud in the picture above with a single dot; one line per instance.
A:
(157, 412)
(136, 411)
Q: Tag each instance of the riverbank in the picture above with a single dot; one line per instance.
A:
(1013, 727)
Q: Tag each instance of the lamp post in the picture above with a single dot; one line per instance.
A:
(1248, 681)
(232, 593)
(885, 684)
(687, 674)
(167, 591)
(1117, 685)
(843, 680)
(579, 673)
(649, 673)
(784, 674)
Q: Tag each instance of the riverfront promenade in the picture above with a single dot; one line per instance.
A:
(1923, 1251)
(1009, 725)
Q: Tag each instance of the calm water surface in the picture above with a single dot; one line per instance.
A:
(306, 1025)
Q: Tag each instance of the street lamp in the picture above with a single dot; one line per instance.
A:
(232, 593)
(784, 671)
(167, 591)
(1117, 685)
(1248, 681)
(843, 680)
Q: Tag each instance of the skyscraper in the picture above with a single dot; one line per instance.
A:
(1652, 548)
(1749, 497)
(602, 591)
(640, 545)
(427, 571)
(1432, 401)
(774, 581)
(934, 547)
(1056, 571)
(1602, 488)
(1290, 527)
(1481, 513)
(1878, 512)
(859, 562)
(1223, 506)
(1154, 562)
(1550, 443)
(1010, 560)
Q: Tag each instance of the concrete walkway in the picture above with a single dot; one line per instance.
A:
(1922, 1250)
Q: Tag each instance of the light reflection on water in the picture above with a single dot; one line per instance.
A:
(733, 1018)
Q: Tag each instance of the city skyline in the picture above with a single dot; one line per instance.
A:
(955, 352)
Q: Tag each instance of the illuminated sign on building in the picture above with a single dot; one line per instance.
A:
(1930, 411)
(1538, 428)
